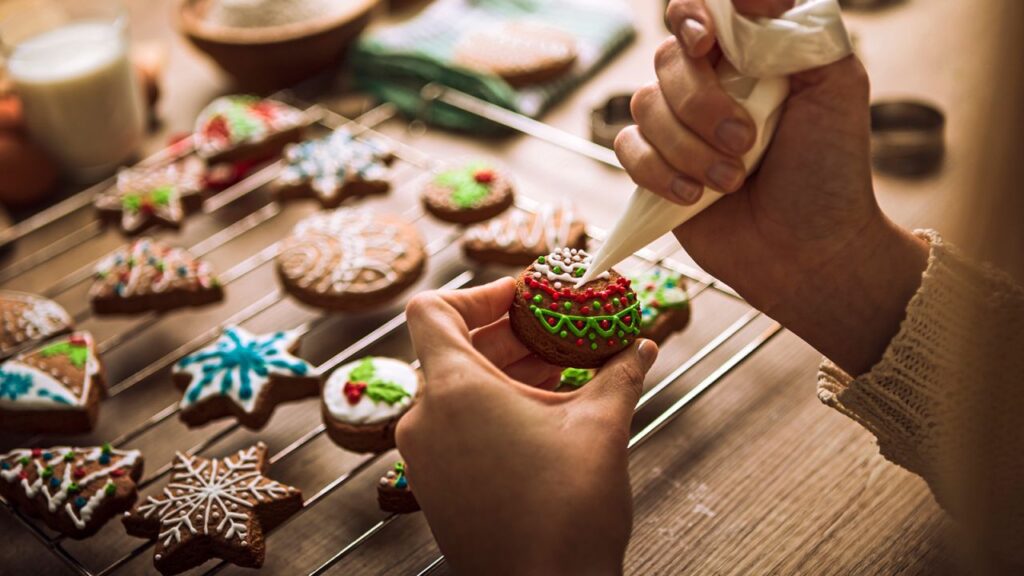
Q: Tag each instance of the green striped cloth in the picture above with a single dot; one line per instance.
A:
(394, 62)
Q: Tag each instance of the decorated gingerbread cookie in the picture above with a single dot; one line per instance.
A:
(149, 275)
(350, 259)
(666, 307)
(55, 388)
(243, 375)
(521, 53)
(26, 318)
(393, 492)
(243, 127)
(363, 400)
(214, 508)
(335, 167)
(569, 324)
(73, 490)
(517, 237)
(154, 195)
(468, 194)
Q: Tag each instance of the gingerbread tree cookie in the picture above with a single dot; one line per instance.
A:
(517, 237)
(470, 193)
(243, 127)
(150, 195)
(28, 318)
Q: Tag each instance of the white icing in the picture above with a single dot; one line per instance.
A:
(28, 317)
(552, 224)
(329, 163)
(45, 387)
(571, 264)
(366, 411)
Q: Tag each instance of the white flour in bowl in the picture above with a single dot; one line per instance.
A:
(260, 13)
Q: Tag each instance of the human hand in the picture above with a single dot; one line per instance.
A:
(514, 478)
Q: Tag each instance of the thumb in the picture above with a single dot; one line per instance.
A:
(619, 383)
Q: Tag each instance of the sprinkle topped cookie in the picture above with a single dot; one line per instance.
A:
(74, 490)
(243, 127)
(521, 53)
(393, 492)
(666, 306)
(214, 508)
(335, 167)
(471, 193)
(245, 375)
(363, 400)
(27, 318)
(568, 324)
(149, 275)
(149, 195)
(517, 237)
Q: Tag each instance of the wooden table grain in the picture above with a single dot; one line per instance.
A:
(757, 477)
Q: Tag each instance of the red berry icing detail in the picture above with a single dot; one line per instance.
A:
(579, 341)
(608, 307)
(585, 309)
(484, 176)
(78, 472)
(354, 391)
(117, 472)
(37, 452)
(628, 319)
(23, 475)
(553, 306)
(551, 320)
(605, 324)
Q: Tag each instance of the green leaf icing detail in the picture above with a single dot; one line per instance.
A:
(466, 191)
(364, 372)
(78, 354)
(388, 392)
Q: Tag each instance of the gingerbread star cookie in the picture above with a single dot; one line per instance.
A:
(28, 318)
(149, 275)
(393, 492)
(521, 53)
(665, 304)
(334, 168)
(154, 195)
(244, 127)
(55, 388)
(73, 490)
(243, 375)
(468, 194)
(214, 508)
(517, 237)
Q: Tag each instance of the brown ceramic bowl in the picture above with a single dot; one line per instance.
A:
(268, 58)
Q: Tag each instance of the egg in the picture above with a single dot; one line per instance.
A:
(27, 174)
(10, 113)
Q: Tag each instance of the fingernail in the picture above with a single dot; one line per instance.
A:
(726, 176)
(734, 135)
(648, 352)
(685, 190)
(692, 33)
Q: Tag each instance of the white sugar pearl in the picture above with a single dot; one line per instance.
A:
(558, 285)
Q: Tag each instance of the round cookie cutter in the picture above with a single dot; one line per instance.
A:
(907, 137)
(609, 118)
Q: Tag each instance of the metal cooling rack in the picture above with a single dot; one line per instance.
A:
(699, 284)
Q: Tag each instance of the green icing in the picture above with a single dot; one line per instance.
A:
(76, 353)
(364, 372)
(240, 120)
(466, 191)
(591, 324)
(659, 290)
(378, 390)
(577, 377)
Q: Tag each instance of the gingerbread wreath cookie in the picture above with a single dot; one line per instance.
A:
(73, 490)
(243, 375)
(350, 259)
(393, 492)
(244, 127)
(363, 401)
(28, 318)
(518, 237)
(571, 325)
(468, 194)
(145, 196)
(335, 167)
(55, 388)
(521, 53)
(149, 275)
(214, 508)
(666, 306)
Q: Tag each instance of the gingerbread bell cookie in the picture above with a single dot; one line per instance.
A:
(518, 237)
(350, 259)
(214, 508)
(150, 275)
(468, 194)
(54, 388)
(393, 492)
(569, 324)
(334, 168)
(73, 490)
(26, 318)
(243, 127)
(145, 196)
(243, 375)
(363, 400)
(665, 304)
(521, 53)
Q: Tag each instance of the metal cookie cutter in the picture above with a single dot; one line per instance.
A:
(607, 119)
(907, 137)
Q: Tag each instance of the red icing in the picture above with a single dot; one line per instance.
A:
(77, 340)
(23, 475)
(484, 176)
(117, 472)
(354, 391)
(78, 472)
(37, 452)
(216, 129)
(579, 341)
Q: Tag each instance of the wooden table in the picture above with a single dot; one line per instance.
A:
(756, 477)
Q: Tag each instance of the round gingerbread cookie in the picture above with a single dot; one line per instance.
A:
(573, 325)
(471, 193)
(518, 237)
(521, 53)
(666, 306)
(351, 258)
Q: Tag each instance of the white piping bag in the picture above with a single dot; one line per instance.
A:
(759, 55)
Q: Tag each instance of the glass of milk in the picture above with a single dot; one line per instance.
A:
(68, 60)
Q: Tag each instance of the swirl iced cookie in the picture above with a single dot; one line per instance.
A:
(244, 127)
(363, 400)
(517, 237)
(471, 193)
(521, 53)
(55, 388)
(214, 508)
(334, 168)
(571, 325)
(350, 259)
(145, 196)
(149, 275)
(393, 492)
(26, 318)
(665, 304)
(73, 490)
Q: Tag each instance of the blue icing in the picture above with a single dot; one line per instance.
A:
(14, 385)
